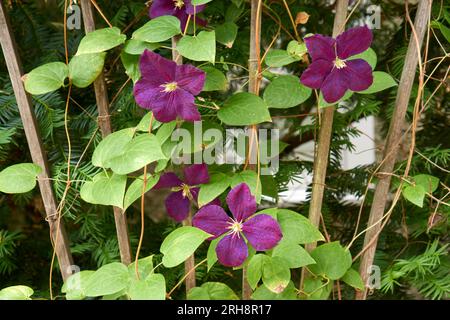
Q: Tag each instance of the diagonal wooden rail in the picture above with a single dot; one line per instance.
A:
(104, 122)
(393, 142)
(13, 63)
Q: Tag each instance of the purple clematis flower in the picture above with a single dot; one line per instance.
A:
(178, 8)
(168, 89)
(178, 203)
(331, 71)
(262, 231)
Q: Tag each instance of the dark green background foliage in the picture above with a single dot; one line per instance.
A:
(413, 261)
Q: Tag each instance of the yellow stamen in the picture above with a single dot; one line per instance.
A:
(338, 63)
(170, 86)
(178, 4)
(235, 227)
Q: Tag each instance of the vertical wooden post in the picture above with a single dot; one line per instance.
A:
(101, 96)
(57, 230)
(253, 87)
(189, 264)
(322, 151)
(393, 142)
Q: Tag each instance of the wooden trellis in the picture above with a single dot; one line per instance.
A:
(38, 154)
(101, 96)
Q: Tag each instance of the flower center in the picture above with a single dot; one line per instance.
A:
(185, 190)
(338, 63)
(170, 86)
(235, 227)
(178, 4)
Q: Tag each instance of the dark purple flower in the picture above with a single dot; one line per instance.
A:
(168, 89)
(178, 203)
(261, 230)
(331, 71)
(178, 8)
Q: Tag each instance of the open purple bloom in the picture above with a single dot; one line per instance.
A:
(168, 89)
(178, 8)
(331, 71)
(185, 191)
(261, 230)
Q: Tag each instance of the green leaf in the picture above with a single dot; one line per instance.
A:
(215, 80)
(134, 191)
(251, 178)
(137, 47)
(414, 194)
(276, 274)
(85, 68)
(429, 183)
(255, 269)
(111, 146)
(233, 12)
(244, 109)
(211, 255)
(199, 138)
(278, 58)
(101, 40)
(19, 178)
(180, 244)
(226, 33)
(165, 131)
(199, 2)
(296, 50)
(381, 81)
(369, 55)
(212, 291)
(444, 30)
(105, 189)
(139, 152)
(332, 260)
(317, 289)
(145, 266)
(353, 278)
(16, 293)
(74, 286)
(217, 184)
(109, 279)
(286, 92)
(293, 253)
(201, 47)
(151, 288)
(295, 227)
(131, 64)
(144, 124)
(46, 78)
(158, 29)
(262, 293)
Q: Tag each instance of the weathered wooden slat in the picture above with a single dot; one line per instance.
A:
(104, 122)
(393, 142)
(57, 231)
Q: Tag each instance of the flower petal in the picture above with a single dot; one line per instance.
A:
(185, 106)
(335, 85)
(156, 69)
(321, 47)
(359, 74)
(182, 16)
(190, 78)
(146, 92)
(161, 8)
(353, 42)
(232, 250)
(262, 231)
(177, 206)
(190, 9)
(168, 180)
(212, 219)
(164, 106)
(196, 174)
(241, 202)
(316, 73)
